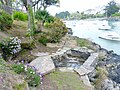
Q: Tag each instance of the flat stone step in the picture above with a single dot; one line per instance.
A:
(91, 61)
(83, 71)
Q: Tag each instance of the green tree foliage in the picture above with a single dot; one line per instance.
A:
(46, 3)
(6, 2)
(5, 20)
(44, 16)
(116, 14)
(63, 15)
(111, 8)
(75, 16)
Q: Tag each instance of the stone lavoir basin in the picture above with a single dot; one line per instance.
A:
(71, 59)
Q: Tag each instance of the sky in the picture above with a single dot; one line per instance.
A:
(77, 5)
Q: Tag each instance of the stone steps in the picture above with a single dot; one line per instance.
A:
(87, 67)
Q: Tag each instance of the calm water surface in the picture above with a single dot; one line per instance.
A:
(89, 29)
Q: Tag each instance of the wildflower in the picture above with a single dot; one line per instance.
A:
(22, 61)
(41, 82)
(40, 75)
(25, 68)
(31, 72)
(21, 67)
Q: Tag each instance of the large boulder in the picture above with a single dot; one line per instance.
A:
(44, 64)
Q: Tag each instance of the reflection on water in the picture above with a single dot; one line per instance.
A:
(89, 29)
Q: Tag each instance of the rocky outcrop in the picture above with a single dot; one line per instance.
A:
(70, 31)
(78, 53)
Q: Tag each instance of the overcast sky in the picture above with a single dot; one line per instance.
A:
(77, 5)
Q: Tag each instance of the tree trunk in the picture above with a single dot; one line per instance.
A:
(31, 24)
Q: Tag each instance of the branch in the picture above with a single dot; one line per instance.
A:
(36, 3)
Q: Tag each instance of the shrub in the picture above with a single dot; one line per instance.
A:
(10, 46)
(31, 76)
(18, 68)
(43, 39)
(5, 20)
(20, 16)
(57, 30)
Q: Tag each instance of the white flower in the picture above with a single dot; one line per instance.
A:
(31, 72)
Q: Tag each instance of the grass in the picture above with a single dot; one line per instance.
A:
(101, 76)
(20, 86)
(82, 42)
(67, 81)
(2, 65)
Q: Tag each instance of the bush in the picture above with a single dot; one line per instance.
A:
(31, 76)
(43, 39)
(57, 30)
(10, 46)
(20, 16)
(5, 20)
(18, 68)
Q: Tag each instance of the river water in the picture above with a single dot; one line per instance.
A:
(89, 29)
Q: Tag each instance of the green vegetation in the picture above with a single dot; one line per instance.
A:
(111, 8)
(43, 39)
(2, 66)
(82, 42)
(20, 16)
(66, 81)
(44, 16)
(20, 86)
(10, 46)
(116, 14)
(31, 24)
(63, 15)
(5, 20)
(57, 30)
(18, 68)
(32, 78)
(101, 75)
(77, 15)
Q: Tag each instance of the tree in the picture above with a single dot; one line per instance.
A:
(42, 15)
(31, 24)
(63, 15)
(46, 3)
(111, 8)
